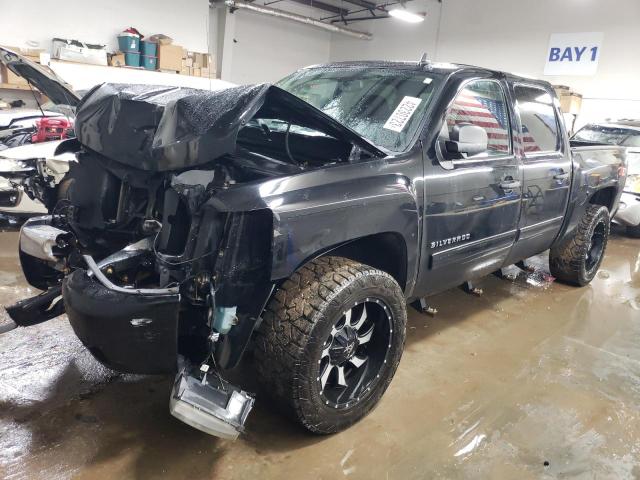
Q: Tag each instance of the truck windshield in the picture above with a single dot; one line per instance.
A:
(385, 106)
(625, 137)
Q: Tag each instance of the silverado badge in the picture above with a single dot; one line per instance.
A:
(450, 241)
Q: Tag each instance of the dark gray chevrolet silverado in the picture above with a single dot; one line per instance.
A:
(298, 220)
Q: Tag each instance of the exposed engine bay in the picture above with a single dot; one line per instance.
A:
(153, 269)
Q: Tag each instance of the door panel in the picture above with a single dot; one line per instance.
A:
(470, 222)
(472, 210)
(546, 171)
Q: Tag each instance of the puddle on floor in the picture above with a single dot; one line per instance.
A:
(533, 379)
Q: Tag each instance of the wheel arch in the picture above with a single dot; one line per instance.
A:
(386, 251)
(605, 197)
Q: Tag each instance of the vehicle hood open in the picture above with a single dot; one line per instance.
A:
(159, 128)
(43, 79)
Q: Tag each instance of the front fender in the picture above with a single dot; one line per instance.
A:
(316, 211)
(378, 205)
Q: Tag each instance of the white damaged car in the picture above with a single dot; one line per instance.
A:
(30, 177)
(31, 172)
(625, 133)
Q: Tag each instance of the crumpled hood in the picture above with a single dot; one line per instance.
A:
(159, 128)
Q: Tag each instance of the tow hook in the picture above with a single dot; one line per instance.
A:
(203, 399)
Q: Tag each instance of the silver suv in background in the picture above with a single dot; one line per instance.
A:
(625, 133)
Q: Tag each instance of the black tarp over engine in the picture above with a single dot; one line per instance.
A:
(170, 128)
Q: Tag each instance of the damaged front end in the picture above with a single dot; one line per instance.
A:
(156, 274)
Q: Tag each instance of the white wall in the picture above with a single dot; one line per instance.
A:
(505, 34)
(513, 35)
(392, 39)
(258, 48)
(83, 77)
(100, 22)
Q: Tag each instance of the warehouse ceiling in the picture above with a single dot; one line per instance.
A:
(338, 11)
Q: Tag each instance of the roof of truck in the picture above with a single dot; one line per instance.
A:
(438, 67)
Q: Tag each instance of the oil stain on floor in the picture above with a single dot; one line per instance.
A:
(533, 379)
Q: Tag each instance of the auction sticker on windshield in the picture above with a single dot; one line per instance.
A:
(402, 114)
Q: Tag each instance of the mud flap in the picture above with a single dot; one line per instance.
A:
(41, 308)
(208, 403)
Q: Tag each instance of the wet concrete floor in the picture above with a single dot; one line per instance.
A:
(531, 380)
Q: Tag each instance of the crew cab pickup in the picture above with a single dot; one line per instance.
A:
(298, 220)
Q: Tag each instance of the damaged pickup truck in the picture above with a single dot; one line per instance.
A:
(298, 220)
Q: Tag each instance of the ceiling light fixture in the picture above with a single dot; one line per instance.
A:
(406, 16)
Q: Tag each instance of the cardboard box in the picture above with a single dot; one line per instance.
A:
(117, 60)
(571, 103)
(188, 62)
(204, 72)
(197, 58)
(160, 39)
(170, 57)
(196, 72)
(185, 71)
(7, 76)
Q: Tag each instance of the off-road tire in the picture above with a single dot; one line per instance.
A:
(567, 261)
(295, 325)
(633, 231)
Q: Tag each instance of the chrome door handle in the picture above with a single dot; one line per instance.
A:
(510, 184)
(561, 176)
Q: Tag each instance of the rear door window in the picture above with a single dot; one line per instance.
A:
(538, 118)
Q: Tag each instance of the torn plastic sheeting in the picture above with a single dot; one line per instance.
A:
(164, 128)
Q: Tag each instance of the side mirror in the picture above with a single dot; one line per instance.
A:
(467, 139)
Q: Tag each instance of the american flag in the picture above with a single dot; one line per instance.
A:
(489, 114)
(528, 142)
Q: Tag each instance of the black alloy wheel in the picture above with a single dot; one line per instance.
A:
(577, 257)
(330, 341)
(354, 353)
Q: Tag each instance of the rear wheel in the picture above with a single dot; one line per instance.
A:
(330, 342)
(577, 260)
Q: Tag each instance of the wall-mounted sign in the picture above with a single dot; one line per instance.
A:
(573, 53)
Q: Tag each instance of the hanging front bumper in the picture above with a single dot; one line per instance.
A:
(132, 333)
